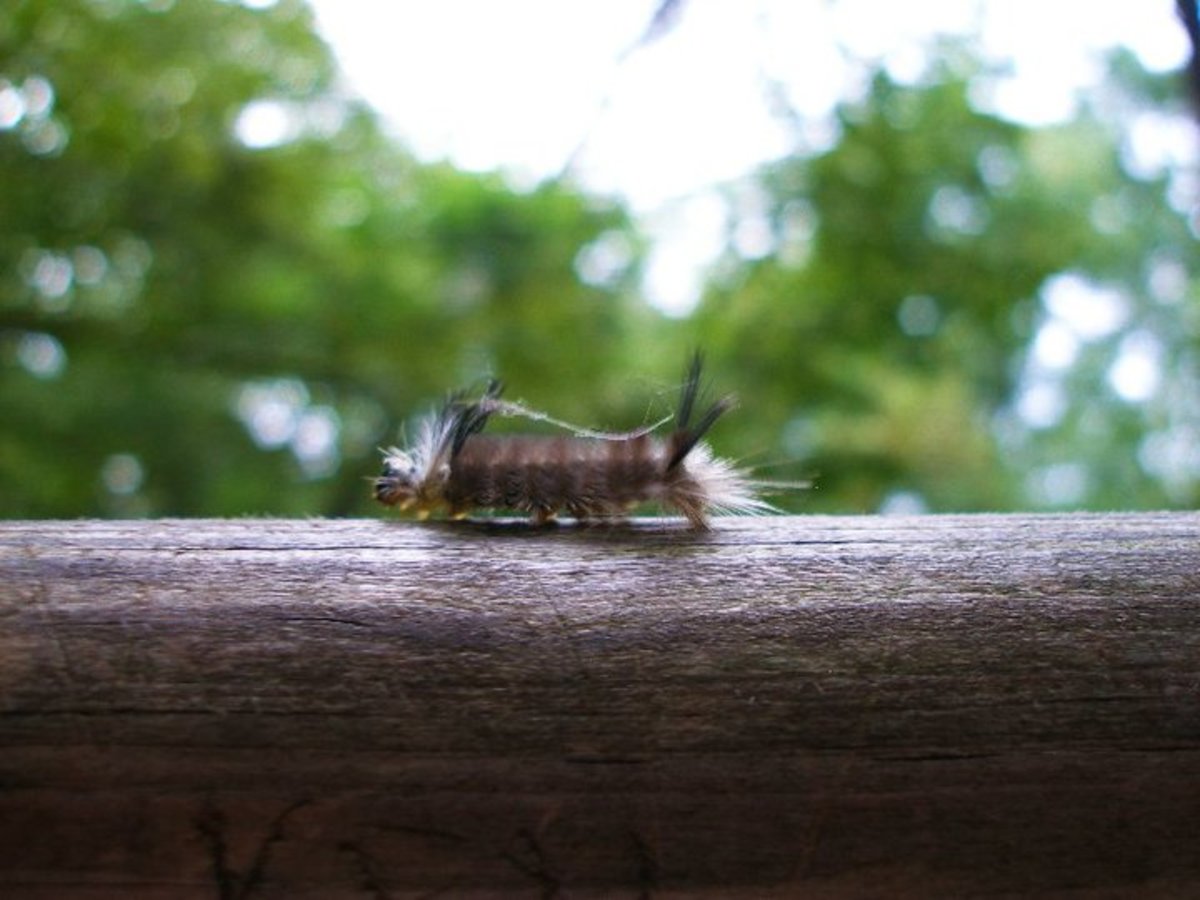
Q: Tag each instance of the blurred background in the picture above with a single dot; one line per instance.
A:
(945, 258)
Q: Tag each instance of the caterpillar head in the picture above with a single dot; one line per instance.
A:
(411, 478)
(400, 482)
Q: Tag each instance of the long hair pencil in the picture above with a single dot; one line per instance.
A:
(588, 474)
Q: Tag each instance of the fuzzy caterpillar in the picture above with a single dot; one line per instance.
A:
(590, 475)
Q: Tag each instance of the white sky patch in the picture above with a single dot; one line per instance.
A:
(1055, 48)
(1137, 371)
(685, 112)
(1042, 404)
(487, 85)
(1173, 456)
(538, 87)
(263, 124)
(12, 105)
(605, 260)
(1167, 280)
(689, 229)
(1158, 142)
(523, 84)
(271, 410)
(315, 441)
(903, 503)
(277, 413)
(1091, 311)
(1055, 347)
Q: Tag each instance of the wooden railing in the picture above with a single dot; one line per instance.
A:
(783, 707)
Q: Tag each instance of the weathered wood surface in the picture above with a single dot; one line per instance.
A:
(817, 707)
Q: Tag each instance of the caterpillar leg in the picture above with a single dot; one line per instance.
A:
(694, 511)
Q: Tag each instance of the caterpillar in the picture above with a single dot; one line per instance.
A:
(588, 474)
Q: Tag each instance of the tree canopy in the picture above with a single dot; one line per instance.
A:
(947, 300)
(223, 285)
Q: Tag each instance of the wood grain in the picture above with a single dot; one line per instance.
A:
(816, 707)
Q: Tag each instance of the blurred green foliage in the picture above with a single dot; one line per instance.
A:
(898, 330)
(199, 320)
(230, 328)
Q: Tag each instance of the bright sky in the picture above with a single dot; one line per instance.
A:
(536, 86)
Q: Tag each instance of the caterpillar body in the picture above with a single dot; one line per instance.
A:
(590, 475)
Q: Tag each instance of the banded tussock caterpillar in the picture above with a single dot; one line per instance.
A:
(588, 474)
